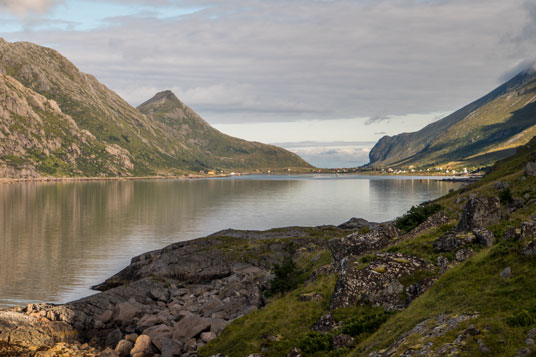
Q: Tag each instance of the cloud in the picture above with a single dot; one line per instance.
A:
(22, 7)
(522, 66)
(376, 119)
(322, 154)
(380, 133)
(275, 60)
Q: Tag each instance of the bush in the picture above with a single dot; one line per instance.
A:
(415, 216)
(523, 318)
(505, 196)
(365, 324)
(315, 341)
(287, 276)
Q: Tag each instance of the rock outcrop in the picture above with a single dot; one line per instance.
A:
(479, 212)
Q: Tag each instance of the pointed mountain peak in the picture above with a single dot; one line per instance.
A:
(161, 98)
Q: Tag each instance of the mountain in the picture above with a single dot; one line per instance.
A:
(203, 146)
(478, 134)
(153, 144)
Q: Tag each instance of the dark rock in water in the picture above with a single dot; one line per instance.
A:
(357, 243)
(452, 240)
(342, 341)
(484, 237)
(479, 212)
(530, 169)
(325, 323)
(378, 283)
(356, 223)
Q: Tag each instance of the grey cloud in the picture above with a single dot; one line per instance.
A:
(253, 61)
(376, 119)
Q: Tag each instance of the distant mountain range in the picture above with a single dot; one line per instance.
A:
(58, 121)
(476, 135)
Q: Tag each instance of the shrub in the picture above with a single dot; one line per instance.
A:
(523, 318)
(416, 215)
(315, 342)
(365, 324)
(287, 276)
(505, 196)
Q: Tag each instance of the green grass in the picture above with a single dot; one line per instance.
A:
(285, 317)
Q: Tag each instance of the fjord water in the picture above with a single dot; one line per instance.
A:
(57, 239)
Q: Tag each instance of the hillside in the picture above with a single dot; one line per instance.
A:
(476, 135)
(151, 144)
(455, 276)
(202, 145)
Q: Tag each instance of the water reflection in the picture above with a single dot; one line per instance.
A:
(56, 239)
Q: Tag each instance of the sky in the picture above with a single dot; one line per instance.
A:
(325, 78)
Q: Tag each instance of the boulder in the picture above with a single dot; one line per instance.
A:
(357, 244)
(511, 234)
(325, 323)
(190, 326)
(342, 341)
(506, 273)
(378, 283)
(530, 169)
(159, 334)
(113, 337)
(172, 348)
(124, 347)
(452, 240)
(479, 212)
(207, 336)
(464, 254)
(125, 312)
(217, 325)
(143, 346)
(355, 223)
(484, 237)
(529, 249)
(528, 230)
(295, 352)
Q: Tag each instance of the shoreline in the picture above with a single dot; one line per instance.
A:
(6, 180)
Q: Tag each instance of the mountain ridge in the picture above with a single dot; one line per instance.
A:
(431, 145)
(151, 144)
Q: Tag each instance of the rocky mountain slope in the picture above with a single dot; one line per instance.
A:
(451, 277)
(476, 135)
(152, 145)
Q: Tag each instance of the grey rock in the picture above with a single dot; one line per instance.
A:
(355, 223)
(511, 234)
(342, 341)
(528, 230)
(171, 348)
(452, 240)
(207, 336)
(530, 169)
(464, 254)
(529, 249)
(113, 337)
(190, 326)
(483, 348)
(158, 334)
(295, 352)
(529, 342)
(379, 282)
(479, 212)
(125, 312)
(484, 237)
(506, 273)
(325, 323)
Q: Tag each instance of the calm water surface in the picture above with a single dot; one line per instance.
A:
(57, 239)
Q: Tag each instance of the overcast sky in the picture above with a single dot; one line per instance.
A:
(291, 70)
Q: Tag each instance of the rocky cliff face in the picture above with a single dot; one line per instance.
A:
(38, 138)
(145, 145)
(477, 134)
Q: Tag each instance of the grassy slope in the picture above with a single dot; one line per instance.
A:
(473, 287)
(503, 119)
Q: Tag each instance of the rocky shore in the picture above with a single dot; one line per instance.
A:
(176, 301)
